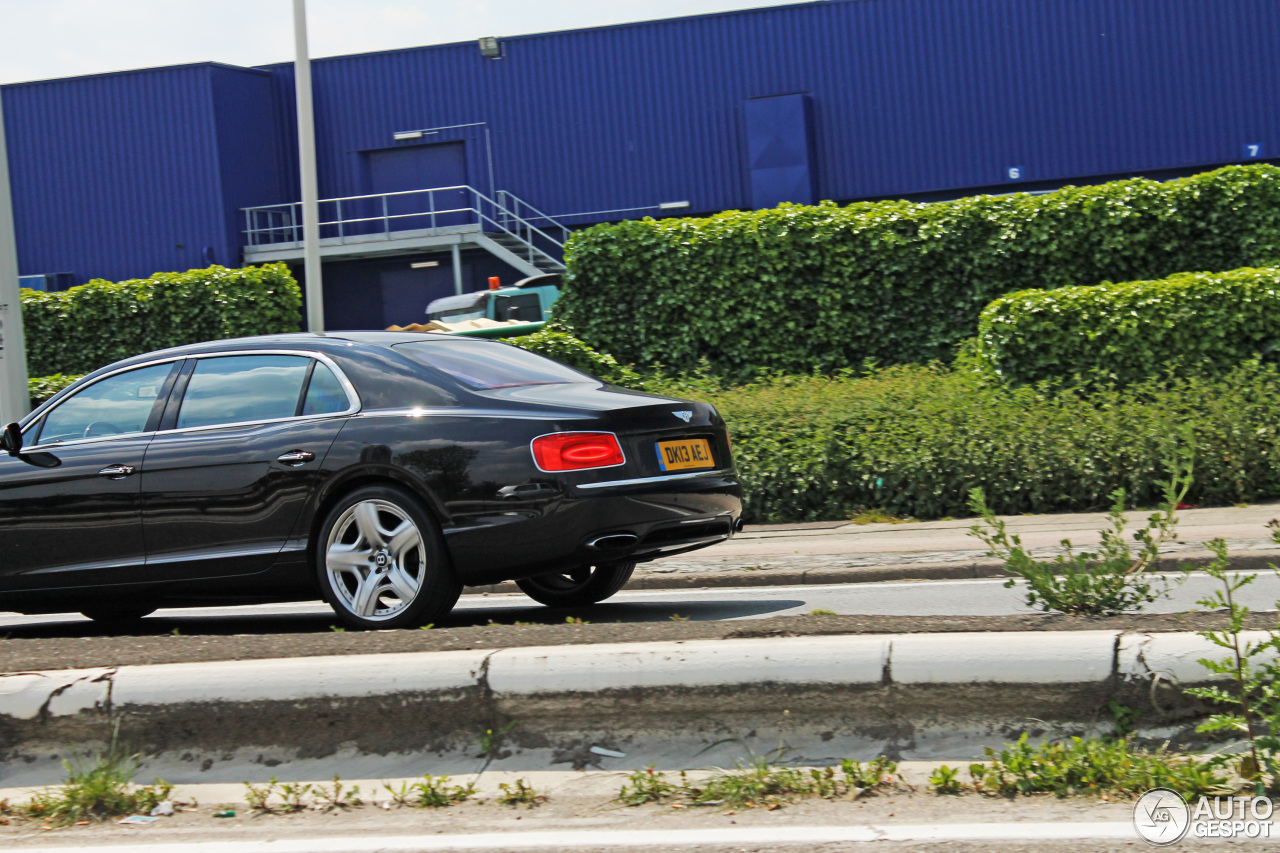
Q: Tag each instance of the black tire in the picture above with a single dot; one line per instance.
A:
(381, 562)
(117, 612)
(574, 588)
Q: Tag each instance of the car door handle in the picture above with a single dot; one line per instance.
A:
(295, 458)
(116, 472)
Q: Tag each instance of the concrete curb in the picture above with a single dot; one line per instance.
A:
(874, 574)
(909, 696)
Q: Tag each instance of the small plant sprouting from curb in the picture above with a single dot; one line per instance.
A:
(1253, 694)
(645, 786)
(491, 744)
(760, 783)
(1080, 767)
(435, 792)
(946, 780)
(1105, 582)
(258, 797)
(519, 793)
(337, 796)
(97, 789)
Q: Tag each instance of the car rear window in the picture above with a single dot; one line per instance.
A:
(483, 365)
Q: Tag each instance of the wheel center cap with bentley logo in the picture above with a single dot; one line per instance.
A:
(684, 416)
(381, 559)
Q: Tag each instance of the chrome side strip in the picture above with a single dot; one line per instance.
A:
(446, 412)
(663, 479)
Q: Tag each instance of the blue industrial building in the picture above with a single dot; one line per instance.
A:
(444, 165)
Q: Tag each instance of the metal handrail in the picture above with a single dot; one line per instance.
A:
(280, 223)
(519, 203)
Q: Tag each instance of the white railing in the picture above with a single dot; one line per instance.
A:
(438, 210)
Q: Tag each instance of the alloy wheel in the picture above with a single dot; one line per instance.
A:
(376, 560)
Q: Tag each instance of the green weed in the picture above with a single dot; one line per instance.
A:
(1093, 767)
(945, 780)
(877, 516)
(98, 789)
(520, 793)
(645, 786)
(1105, 582)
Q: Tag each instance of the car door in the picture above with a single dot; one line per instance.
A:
(70, 505)
(240, 448)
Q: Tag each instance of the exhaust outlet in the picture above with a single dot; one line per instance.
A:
(613, 542)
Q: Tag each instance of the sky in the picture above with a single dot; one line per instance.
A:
(40, 39)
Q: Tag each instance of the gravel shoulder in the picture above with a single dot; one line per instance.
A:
(20, 653)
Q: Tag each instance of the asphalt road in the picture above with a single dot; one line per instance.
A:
(911, 598)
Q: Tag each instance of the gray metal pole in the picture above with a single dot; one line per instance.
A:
(15, 398)
(307, 164)
(457, 268)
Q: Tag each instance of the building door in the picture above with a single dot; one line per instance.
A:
(420, 167)
(779, 150)
(407, 291)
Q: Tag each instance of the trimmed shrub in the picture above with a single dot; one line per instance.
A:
(914, 441)
(1133, 331)
(797, 289)
(81, 329)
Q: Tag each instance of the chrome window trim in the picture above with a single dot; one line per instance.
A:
(460, 412)
(642, 480)
(39, 415)
(352, 407)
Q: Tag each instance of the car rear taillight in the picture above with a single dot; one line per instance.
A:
(577, 451)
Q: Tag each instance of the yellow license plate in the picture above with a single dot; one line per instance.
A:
(689, 453)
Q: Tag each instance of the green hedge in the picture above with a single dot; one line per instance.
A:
(81, 329)
(913, 441)
(558, 342)
(796, 289)
(43, 387)
(1128, 332)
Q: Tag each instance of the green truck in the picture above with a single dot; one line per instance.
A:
(499, 312)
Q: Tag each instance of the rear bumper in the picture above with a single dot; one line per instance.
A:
(618, 521)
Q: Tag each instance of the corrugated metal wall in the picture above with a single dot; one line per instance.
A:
(123, 174)
(910, 96)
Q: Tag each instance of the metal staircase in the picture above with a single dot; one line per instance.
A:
(414, 221)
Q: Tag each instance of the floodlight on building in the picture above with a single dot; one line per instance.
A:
(490, 47)
(424, 265)
(402, 135)
(673, 205)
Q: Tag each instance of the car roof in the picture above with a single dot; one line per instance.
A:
(321, 341)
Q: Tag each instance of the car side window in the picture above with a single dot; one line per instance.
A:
(325, 394)
(242, 389)
(117, 405)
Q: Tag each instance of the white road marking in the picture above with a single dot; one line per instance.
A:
(673, 838)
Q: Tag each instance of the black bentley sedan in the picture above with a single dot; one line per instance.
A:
(384, 471)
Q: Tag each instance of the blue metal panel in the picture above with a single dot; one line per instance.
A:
(119, 175)
(250, 146)
(115, 175)
(909, 96)
(779, 150)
